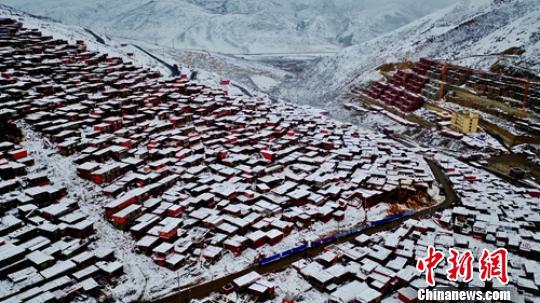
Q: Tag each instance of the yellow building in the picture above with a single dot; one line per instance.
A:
(465, 122)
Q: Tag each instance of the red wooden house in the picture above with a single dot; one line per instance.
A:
(125, 217)
(17, 154)
(175, 210)
(169, 232)
(274, 236)
(256, 239)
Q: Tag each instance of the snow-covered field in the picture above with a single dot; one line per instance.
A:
(139, 52)
(430, 36)
(238, 26)
(467, 28)
(144, 279)
(364, 34)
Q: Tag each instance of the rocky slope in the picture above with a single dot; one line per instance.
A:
(463, 33)
(238, 26)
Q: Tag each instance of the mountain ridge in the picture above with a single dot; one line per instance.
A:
(274, 26)
(459, 33)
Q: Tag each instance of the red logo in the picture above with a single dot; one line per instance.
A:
(429, 263)
(494, 265)
(491, 265)
(460, 266)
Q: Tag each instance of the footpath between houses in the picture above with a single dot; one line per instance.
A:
(202, 290)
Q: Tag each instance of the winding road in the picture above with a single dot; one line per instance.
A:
(205, 289)
(174, 71)
(96, 36)
(202, 290)
(243, 90)
(170, 67)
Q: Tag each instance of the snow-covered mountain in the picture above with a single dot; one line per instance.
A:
(238, 26)
(364, 34)
(460, 33)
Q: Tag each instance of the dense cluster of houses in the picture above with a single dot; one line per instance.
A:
(427, 80)
(194, 173)
(382, 267)
(45, 240)
(403, 89)
(191, 172)
(493, 210)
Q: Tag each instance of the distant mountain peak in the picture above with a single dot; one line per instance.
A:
(239, 26)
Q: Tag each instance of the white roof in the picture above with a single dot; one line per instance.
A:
(9, 250)
(163, 247)
(147, 241)
(315, 271)
(212, 251)
(355, 290)
(57, 269)
(247, 279)
(273, 233)
(175, 259)
(256, 235)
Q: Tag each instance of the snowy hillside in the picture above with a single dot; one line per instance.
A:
(468, 28)
(238, 26)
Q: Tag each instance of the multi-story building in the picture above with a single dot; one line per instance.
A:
(465, 122)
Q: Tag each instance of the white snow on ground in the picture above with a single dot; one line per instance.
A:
(264, 83)
(61, 171)
(238, 26)
(469, 27)
(504, 208)
(127, 49)
(143, 279)
(227, 67)
(74, 33)
(379, 32)
(290, 281)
